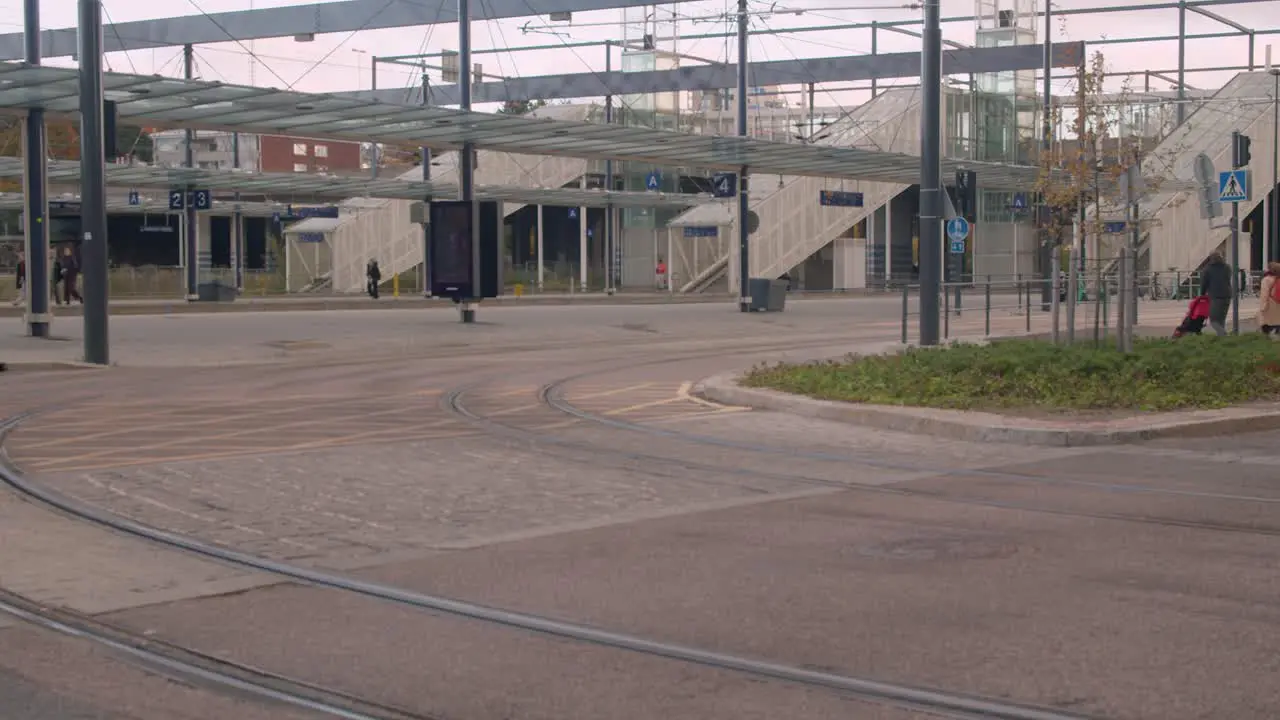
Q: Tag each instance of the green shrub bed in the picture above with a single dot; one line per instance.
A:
(1159, 375)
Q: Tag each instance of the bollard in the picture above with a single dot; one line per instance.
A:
(987, 292)
(1017, 280)
(395, 285)
(1055, 285)
(1073, 293)
(1028, 306)
(959, 300)
(946, 314)
(906, 308)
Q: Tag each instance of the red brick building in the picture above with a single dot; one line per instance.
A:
(305, 155)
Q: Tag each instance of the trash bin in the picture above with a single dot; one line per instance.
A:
(215, 292)
(767, 295)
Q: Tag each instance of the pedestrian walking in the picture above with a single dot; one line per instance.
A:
(1215, 284)
(20, 280)
(70, 273)
(55, 279)
(374, 275)
(1269, 302)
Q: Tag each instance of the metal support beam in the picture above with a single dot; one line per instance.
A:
(36, 226)
(93, 188)
(930, 174)
(744, 205)
(1182, 62)
(1046, 146)
(1215, 16)
(190, 219)
(314, 19)
(875, 27)
(777, 72)
(918, 35)
(424, 153)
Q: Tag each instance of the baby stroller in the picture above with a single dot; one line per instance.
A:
(1197, 313)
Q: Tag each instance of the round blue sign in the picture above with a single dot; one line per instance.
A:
(957, 228)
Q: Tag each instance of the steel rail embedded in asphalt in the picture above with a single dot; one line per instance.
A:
(201, 668)
(861, 687)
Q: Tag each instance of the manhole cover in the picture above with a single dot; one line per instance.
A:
(942, 547)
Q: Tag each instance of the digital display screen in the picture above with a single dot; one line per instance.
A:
(452, 238)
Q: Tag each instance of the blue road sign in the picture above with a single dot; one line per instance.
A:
(958, 229)
(839, 198)
(202, 199)
(724, 185)
(1114, 227)
(573, 213)
(1233, 186)
(134, 198)
(653, 181)
(1019, 201)
(177, 199)
(957, 247)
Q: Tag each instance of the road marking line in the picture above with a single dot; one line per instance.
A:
(607, 393)
(684, 392)
(642, 406)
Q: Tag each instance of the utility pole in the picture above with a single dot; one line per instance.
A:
(424, 153)
(931, 174)
(611, 256)
(744, 204)
(191, 221)
(1046, 147)
(93, 186)
(466, 159)
(35, 187)
(237, 221)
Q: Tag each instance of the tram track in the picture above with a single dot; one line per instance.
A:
(940, 703)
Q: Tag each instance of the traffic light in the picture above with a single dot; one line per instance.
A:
(1239, 150)
(967, 194)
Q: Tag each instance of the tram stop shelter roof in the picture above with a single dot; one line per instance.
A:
(300, 187)
(155, 100)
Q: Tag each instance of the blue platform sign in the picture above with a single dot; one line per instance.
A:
(1019, 202)
(653, 181)
(957, 247)
(134, 198)
(724, 185)
(695, 231)
(310, 237)
(573, 213)
(325, 211)
(177, 199)
(839, 198)
(957, 229)
(1233, 186)
(201, 199)
(1114, 227)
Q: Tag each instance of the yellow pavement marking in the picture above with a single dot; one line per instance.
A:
(686, 386)
(237, 433)
(204, 422)
(607, 393)
(642, 406)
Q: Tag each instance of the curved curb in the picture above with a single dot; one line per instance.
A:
(990, 427)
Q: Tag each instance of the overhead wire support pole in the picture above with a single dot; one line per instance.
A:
(1181, 111)
(466, 157)
(424, 153)
(744, 236)
(93, 186)
(611, 255)
(373, 147)
(237, 220)
(191, 221)
(931, 174)
(1046, 147)
(35, 188)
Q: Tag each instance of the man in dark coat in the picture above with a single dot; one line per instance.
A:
(374, 275)
(1215, 284)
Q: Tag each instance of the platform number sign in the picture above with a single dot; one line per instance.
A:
(177, 199)
(724, 185)
(201, 199)
(134, 198)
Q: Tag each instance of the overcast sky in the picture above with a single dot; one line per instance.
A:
(342, 62)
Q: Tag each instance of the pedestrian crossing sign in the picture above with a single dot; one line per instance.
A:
(1233, 186)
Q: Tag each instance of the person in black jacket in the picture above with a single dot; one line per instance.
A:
(1215, 284)
(20, 279)
(374, 275)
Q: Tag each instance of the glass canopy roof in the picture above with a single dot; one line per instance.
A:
(155, 100)
(290, 186)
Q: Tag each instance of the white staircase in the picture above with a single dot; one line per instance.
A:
(793, 225)
(1176, 236)
(382, 229)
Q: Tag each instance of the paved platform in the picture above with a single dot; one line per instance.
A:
(1134, 583)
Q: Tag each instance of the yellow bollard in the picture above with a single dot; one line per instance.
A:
(395, 285)
(518, 289)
